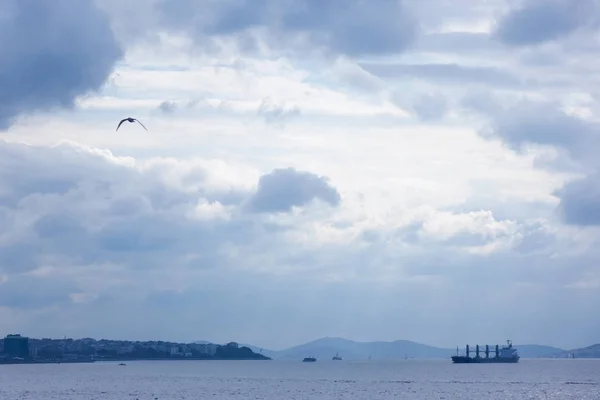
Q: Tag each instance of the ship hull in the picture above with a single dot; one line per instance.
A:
(481, 360)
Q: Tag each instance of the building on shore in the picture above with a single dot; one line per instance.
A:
(16, 346)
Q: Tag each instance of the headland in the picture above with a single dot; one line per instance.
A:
(17, 349)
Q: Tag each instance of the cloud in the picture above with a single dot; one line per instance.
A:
(464, 42)
(574, 139)
(351, 216)
(544, 123)
(446, 73)
(96, 207)
(42, 291)
(68, 218)
(173, 238)
(354, 29)
(580, 201)
(540, 21)
(52, 57)
(274, 113)
(167, 107)
(349, 74)
(431, 107)
(283, 189)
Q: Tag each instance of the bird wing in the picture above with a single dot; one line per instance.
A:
(120, 123)
(141, 124)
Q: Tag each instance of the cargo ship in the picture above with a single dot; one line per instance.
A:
(506, 354)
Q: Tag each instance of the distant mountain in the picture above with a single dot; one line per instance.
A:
(537, 351)
(325, 348)
(592, 351)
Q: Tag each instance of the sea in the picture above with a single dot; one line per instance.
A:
(402, 379)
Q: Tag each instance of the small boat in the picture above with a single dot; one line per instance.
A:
(309, 359)
(122, 364)
(337, 357)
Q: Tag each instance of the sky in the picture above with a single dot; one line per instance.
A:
(375, 170)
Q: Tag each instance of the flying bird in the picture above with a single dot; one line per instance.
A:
(130, 120)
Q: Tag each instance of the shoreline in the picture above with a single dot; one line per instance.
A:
(29, 362)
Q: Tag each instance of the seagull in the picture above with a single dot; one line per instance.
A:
(130, 120)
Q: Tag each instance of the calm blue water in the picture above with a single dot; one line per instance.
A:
(410, 379)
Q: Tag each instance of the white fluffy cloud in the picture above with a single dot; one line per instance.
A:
(356, 167)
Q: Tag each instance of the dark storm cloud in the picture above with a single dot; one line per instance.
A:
(539, 21)
(283, 189)
(353, 27)
(51, 52)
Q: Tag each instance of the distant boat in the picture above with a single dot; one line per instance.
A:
(309, 359)
(122, 364)
(337, 357)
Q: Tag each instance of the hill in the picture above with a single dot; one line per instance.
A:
(592, 351)
(325, 348)
(537, 351)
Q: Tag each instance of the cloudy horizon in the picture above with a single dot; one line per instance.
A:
(419, 170)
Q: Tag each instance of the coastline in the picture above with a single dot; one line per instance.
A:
(29, 362)
(17, 349)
